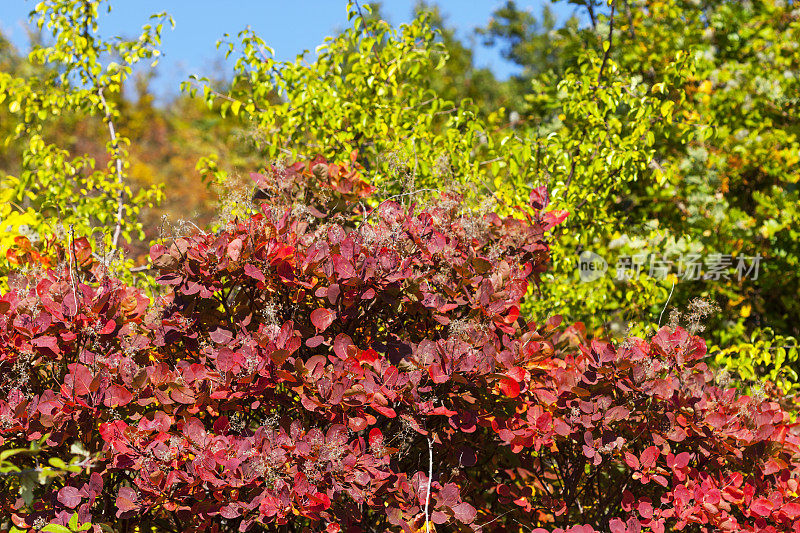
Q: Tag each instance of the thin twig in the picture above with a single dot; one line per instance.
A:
(610, 41)
(490, 161)
(426, 102)
(428, 494)
(409, 193)
(630, 19)
(496, 197)
(118, 161)
(606, 53)
(73, 264)
(666, 304)
(574, 163)
(592, 17)
(496, 518)
(371, 34)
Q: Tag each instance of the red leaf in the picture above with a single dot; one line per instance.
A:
(158, 421)
(319, 501)
(435, 371)
(561, 427)
(661, 480)
(333, 293)
(618, 412)
(632, 461)
(375, 435)
(229, 361)
(95, 485)
(464, 513)
(279, 356)
(234, 249)
(340, 344)
(221, 336)
(681, 460)
(517, 374)
(260, 180)
(509, 387)
(69, 497)
(368, 356)
(762, 507)
(157, 250)
(512, 316)
(772, 466)
(126, 501)
(195, 431)
(78, 380)
(48, 342)
(182, 395)
(313, 342)
(117, 395)
(792, 510)
(617, 526)
(627, 500)
(230, 511)
(539, 198)
(554, 218)
(368, 294)
(322, 318)
(343, 267)
(114, 434)
(254, 272)
(438, 517)
(649, 457)
(357, 423)
(83, 251)
(385, 411)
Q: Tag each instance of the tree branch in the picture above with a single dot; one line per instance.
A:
(428, 493)
(118, 161)
(610, 41)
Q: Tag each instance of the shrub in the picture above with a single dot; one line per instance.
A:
(347, 372)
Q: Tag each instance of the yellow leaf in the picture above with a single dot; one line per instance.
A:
(704, 87)
(745, 310)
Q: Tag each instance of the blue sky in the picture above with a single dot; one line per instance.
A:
(289, 27)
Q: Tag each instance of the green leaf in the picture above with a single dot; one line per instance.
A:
(55, 528)
(5, 454)
(57, 463)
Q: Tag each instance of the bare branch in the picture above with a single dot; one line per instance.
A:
(428, 493)
(118, 161)
(666, 304)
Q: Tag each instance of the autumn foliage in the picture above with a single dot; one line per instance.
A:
(307, 367)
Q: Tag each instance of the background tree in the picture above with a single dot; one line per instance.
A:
(720, 195)
(81, 74)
